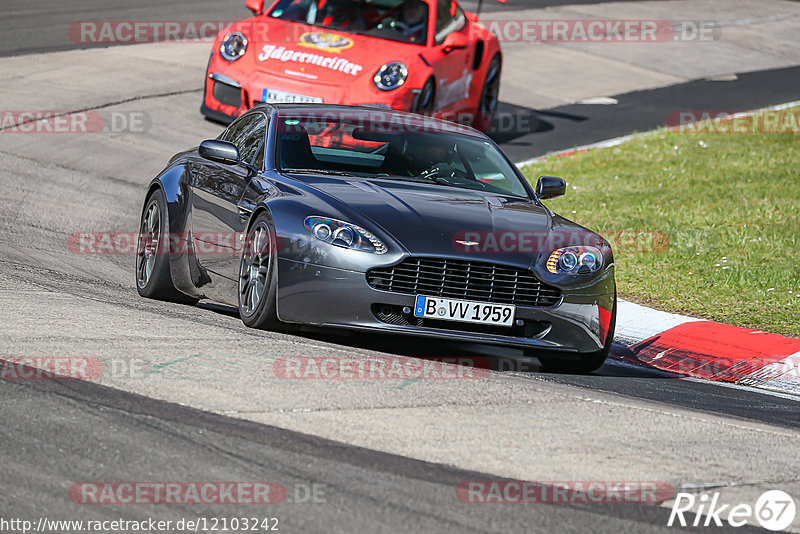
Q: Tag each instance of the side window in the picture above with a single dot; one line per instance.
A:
(449, 18)
(489, 167)
(247, 134)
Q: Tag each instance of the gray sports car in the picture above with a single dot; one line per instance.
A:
(377, 221)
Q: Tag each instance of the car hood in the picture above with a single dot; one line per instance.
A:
(438, 220)
(276, 46)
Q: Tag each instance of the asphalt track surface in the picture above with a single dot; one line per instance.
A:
(364, 490)
(35, 26)
(57, 432)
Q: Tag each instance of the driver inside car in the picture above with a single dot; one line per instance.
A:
(414, 15)
(351, 15)
(426, 158)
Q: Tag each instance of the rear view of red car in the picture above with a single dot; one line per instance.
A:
(424, 56)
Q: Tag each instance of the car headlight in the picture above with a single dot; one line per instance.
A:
(390, 76)
(233, 46)
(343, 234)
(576, 260)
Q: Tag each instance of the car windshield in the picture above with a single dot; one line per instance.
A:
(389, 146)
(397, 20)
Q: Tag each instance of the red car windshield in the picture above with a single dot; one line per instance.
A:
(396, 20)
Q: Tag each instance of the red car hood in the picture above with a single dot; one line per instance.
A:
(317, 54)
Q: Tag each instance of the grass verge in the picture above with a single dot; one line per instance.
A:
(728, 204)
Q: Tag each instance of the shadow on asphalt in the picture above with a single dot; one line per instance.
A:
(621, 374)
(621, 363)
(513, 124)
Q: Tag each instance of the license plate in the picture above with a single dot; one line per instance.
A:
(273, 96)
(465, 311)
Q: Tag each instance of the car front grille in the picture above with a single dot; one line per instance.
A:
(461, 279)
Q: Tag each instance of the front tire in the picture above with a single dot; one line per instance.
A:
(587, 362)
(426, 98)
(153, 279)
(258, 276)
(487, 106)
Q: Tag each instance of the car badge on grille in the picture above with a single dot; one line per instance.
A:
(467, 243)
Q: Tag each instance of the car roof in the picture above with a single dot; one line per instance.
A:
(373, 113)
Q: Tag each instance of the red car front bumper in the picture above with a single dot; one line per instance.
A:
(230, 92)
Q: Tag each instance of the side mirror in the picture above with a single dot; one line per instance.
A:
(219, 151)
(454, 41)
(550, 187)
(256, 6)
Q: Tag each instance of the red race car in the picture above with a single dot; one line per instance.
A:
(426, 56)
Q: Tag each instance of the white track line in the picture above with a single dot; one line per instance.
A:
(754, 389)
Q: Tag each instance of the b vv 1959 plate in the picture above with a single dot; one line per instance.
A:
(465, 311)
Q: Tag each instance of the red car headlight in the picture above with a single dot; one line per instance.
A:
(233, 46)
(390, 76)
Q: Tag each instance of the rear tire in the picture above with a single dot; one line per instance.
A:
(588, 362)
(153, 279)
(258, 276)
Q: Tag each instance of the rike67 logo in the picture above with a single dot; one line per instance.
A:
(774, 510)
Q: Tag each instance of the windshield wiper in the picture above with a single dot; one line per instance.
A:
(317, 171)
(416, 179)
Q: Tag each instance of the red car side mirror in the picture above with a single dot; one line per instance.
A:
(256, 6)
(454, 41)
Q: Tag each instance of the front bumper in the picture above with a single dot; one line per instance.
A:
(330, 297)
(229, 93)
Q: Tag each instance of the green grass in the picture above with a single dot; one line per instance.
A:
(729, 204)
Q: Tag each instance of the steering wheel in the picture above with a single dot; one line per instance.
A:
(445, 171)
(395, 25)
